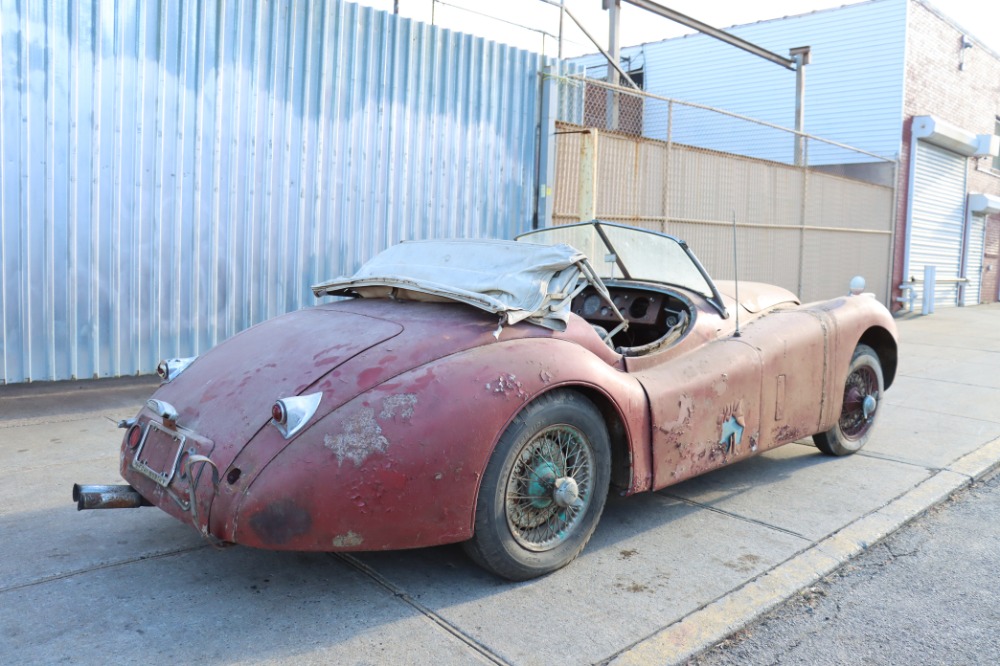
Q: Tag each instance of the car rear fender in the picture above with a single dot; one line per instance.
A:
(400, 465)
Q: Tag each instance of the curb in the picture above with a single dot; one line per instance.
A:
(718, 619)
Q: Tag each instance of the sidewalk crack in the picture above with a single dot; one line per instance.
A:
(431, 615)
(746, 519)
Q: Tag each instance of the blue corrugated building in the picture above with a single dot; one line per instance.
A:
(875, 67)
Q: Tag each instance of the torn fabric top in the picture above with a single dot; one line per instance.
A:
(519, 281)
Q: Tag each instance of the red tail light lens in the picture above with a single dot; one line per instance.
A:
(134, 436)
(289, 415)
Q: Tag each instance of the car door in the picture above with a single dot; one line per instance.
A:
(705, 407)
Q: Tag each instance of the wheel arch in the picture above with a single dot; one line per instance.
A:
(884, 344)
(618, 435)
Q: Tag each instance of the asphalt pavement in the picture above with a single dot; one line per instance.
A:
(924, 596)
(665, 576)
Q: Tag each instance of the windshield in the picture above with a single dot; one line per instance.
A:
(617, 251)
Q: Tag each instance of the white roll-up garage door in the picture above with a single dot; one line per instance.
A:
(938, 218)
(974, 260)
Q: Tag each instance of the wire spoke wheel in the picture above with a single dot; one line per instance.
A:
(861, 396)
(543, 489)
(862, 392)
(549, 487)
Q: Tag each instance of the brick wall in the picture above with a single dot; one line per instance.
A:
(935, 85)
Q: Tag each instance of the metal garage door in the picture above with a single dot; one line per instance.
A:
(974, 260)
(938, 217)
(990, 291)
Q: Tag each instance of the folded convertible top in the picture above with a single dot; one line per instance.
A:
(517, 280)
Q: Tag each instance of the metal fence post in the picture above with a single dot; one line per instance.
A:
(930, 285)
(544, 202)
(587, 196)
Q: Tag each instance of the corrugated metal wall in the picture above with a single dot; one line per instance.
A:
(173, 172)
(854, 84)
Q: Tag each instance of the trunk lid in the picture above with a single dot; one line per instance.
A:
(227, 393)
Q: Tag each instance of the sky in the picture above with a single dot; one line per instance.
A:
(534, 24)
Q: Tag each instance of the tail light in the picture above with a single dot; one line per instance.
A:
(134, 436)
(169, 368)
(290, 415)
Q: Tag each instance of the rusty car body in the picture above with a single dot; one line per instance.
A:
(491, 392)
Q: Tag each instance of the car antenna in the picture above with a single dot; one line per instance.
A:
(736, 280)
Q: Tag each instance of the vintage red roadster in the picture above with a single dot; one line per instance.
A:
(492, 392)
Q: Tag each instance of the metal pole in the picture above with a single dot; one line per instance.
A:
(562, 15)
(593, 41)
(614, 49)
(801, 57)
(722, 35)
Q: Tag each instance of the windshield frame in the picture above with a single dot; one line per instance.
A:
(600, 226)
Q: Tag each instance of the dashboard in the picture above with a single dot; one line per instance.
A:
(651, 314)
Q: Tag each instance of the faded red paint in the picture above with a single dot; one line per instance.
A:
(416, 395)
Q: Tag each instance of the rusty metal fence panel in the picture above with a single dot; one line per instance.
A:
(809, 214)
(174, 172)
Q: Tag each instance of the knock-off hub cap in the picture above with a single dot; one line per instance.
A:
(566, 492)
(549, 487)
(868, 406)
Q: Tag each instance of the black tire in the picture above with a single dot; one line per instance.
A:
(857, 416)
(544, 488)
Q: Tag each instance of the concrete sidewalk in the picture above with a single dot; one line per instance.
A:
(666, 575)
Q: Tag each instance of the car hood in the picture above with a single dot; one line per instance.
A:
(756, 297)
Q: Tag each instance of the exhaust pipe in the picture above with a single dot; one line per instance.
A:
(107, 497)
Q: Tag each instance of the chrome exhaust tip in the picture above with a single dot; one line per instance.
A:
(107, 497)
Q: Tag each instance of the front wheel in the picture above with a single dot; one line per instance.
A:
(544, 488)
(862, 393)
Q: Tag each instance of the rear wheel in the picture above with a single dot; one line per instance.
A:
(862, 393)
(544, 488)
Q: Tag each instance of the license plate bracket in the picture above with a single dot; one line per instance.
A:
(161, 477)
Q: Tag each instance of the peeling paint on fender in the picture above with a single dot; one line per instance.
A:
(732, 422)
(674, 430)
(361, 437)
(401, 405)
(349, 540)
(507, 384)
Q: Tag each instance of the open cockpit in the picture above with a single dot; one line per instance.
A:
(657, 317)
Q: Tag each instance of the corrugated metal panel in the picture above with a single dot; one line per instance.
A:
(938, 218)
(174, 172)
(974, 260)
(854, 85)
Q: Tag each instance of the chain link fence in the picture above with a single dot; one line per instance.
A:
(808, 213)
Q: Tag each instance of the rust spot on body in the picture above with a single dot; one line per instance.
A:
(787, 433)
(280, 522)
